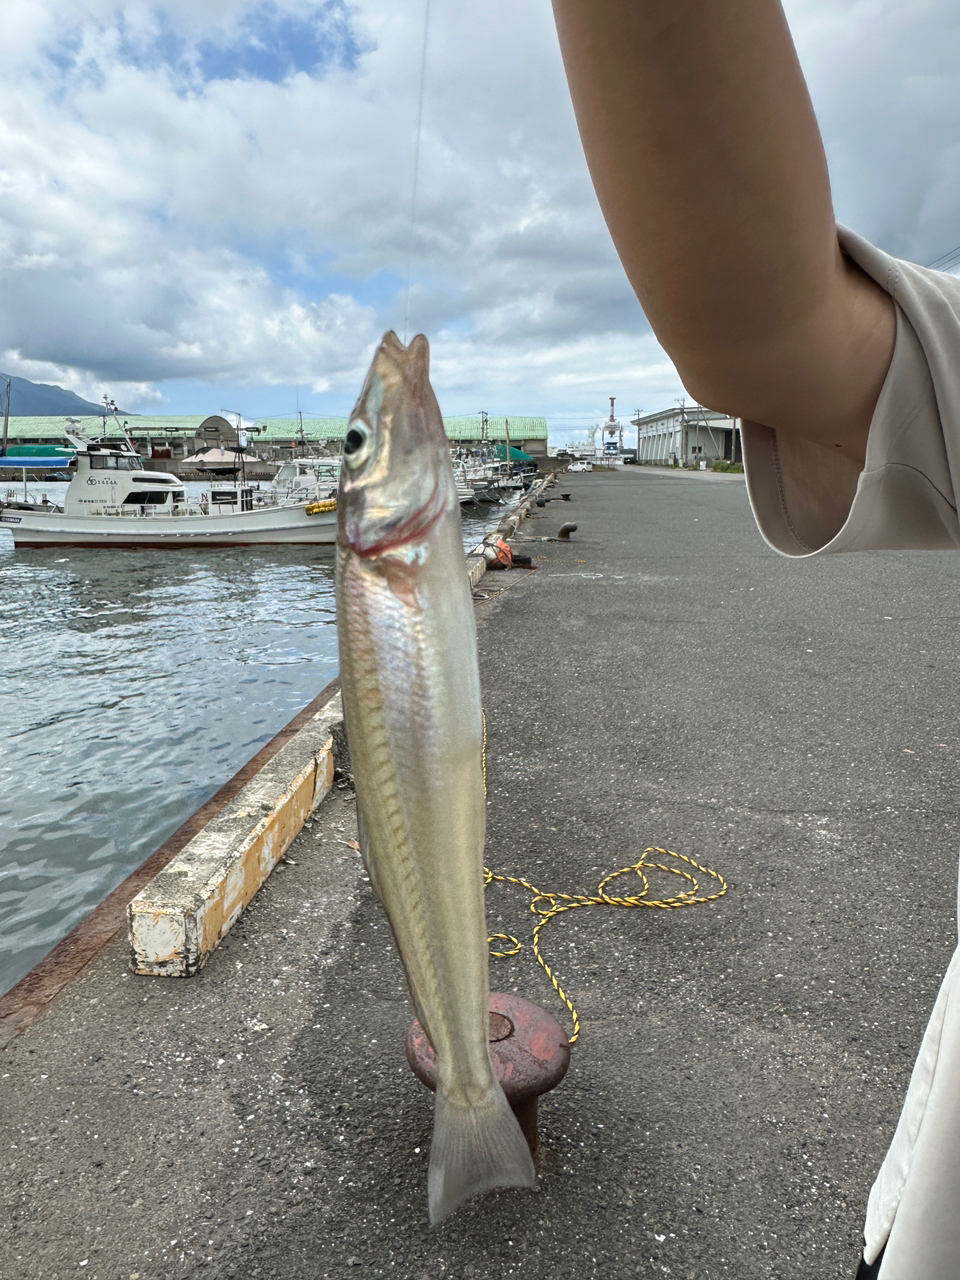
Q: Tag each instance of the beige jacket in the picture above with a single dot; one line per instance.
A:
(808, 501)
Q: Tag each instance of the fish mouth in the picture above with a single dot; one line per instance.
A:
(415, 528)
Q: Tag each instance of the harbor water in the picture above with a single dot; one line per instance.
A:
(134, 684)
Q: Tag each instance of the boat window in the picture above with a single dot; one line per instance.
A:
(179, 495)
(129, 464)
(97, 462)
(146, 497)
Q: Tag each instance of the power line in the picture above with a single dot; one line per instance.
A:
(416, 166)
(946, 260)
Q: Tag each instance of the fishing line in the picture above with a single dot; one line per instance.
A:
(416, 167)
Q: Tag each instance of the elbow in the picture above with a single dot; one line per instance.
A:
(724, 382)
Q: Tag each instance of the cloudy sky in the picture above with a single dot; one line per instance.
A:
(206, 204)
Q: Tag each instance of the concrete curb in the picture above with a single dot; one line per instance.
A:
(36, 990)
(476, 560)
(177, 920)
(476, 568)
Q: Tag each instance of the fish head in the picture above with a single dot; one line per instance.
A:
(396, 481)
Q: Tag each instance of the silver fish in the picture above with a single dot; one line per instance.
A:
(411, 698)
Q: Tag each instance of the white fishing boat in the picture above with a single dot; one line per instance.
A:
(306, 479)
(466, 491)
(482, 477)
(112, 501)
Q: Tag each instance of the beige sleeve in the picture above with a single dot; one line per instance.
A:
(807, 500)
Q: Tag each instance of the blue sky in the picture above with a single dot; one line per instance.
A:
(269, 42)
(206, 204)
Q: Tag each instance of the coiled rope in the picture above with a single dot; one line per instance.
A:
(547, 905)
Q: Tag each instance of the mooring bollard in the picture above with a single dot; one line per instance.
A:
(530, 1054)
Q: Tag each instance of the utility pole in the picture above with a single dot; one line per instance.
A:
(484, 435)
(6, 419)
(506, 432)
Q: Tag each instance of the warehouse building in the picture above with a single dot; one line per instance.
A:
(687, 435)
(163, 440)
(166, 441)
(293, 434)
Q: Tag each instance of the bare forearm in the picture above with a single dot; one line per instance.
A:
(707, 160)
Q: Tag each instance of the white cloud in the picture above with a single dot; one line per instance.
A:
(141, 396)
(156, 224)
(885, 80)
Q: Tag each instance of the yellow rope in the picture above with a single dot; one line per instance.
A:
(546, 905)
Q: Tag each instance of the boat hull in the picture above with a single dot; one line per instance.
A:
(274, 526)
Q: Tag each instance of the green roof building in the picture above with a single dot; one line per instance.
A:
(529, 434)
(172, 438)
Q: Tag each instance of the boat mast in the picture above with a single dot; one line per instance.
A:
(6, 419)
(240, 448)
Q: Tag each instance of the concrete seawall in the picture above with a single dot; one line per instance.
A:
(181, 916)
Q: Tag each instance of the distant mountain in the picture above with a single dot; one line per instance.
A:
(40, 400)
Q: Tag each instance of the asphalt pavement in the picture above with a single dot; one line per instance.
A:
(663, 679)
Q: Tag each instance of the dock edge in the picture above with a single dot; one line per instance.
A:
(178, 919)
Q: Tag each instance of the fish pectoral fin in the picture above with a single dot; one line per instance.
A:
(475, 1148)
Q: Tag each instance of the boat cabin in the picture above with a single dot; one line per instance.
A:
(224, 498)
(300, 479)
(108, 477)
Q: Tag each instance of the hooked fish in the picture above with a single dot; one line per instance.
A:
(411, 698)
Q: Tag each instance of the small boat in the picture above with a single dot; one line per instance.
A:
(112, 501)
(466, 491)
(303, 479)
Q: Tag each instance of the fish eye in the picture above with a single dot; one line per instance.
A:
(357, 445)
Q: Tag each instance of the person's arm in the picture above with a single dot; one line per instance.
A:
(707, 160)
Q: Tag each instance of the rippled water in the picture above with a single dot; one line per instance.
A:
(133, 685)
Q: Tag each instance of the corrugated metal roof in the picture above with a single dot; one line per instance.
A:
(463, 428)
(520, 428)
(53, 428)
(457, 428)
(269, 429)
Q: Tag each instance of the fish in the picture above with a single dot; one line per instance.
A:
(414, 725)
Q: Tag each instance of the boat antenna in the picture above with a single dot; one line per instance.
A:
(416, 167)
(110, 408)
(241, 446)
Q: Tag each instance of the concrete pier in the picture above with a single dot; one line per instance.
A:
(660, 680)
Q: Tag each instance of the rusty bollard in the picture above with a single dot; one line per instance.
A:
(530, 1053)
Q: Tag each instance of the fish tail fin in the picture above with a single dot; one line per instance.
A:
(476, 1147)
